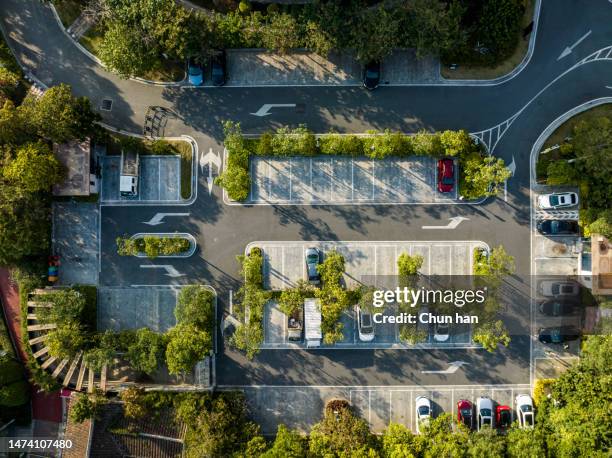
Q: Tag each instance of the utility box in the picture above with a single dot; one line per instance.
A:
(130, 168)
(312, 323)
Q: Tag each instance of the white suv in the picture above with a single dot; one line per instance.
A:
(484, 410)
(557, 200)
(524, 410)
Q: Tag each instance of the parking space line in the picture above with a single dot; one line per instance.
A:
(352, 179)
(370, 407)
(159, 185)
(269, 180)
(390, 408)
(290, 178)
(311, 188)
(373, 180)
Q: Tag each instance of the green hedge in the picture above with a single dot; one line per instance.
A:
(153, 246)
(285, 142)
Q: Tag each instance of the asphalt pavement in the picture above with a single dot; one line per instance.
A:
(546, 88)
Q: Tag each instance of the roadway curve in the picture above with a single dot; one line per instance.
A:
(224, 231)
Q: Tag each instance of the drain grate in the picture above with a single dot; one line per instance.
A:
(107, 105)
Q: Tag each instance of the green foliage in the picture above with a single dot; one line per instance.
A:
(251, 267)
(525, 443)
(290, 301)
(9, 82)
(560, 173)
(293, 142)
(281, 33)
(331, 269)
(187, 345)
(409, 265)
(59, 116)
(195, 305)
(341, 432)
(152, 245)
(341, 145)
(398, 441)
(491, 334)
(287, 444)
(102, 352)
(219, 427)
(248, 338)
(482, 176)
(384, 144)
(14, 394)
(497, 265)
(66, 341)
(85, 406)
(376, 35)
(146, 351)
(603, 224)
(412, 334)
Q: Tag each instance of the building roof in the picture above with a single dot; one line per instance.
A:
(75, 157)
(601, 255)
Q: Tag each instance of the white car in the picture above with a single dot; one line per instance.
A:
(524, 410)
(555, 288)
(484, 410)
(365, 325)
(557, 200)
(423, 412)
(441, 332)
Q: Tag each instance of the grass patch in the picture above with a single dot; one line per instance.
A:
(566, 129)
(68, 10)
(505, 67)
(92, 38)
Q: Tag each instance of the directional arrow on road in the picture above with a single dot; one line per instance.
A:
(454, 222)
(265, 108)
(568, 50)
(512, 166)
(170, 270)
(209, 159)
(158, 218)
(452, 368)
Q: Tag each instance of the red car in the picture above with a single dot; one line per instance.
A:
(465, 413)
(446, 175)
(503, 416)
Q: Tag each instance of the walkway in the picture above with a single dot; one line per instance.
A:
(45, 406)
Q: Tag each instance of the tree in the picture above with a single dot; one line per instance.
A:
(14, 394)
(340, 433)
(398, 441)
(9, 81)
(187, 345)
(491, 334)
(103, 352)
(281, 33)
(236, 181)
(375, 34)
(248, 338)
(497, 265)
(457, 143)
(24, 225)
(58, 116)
(134, 406)
(332, 268)
(68, 307)
(486, 443)
(525, 443)
(287, 444)
(195, 306)
(482, 177)
(499, 26)
(13, 127)
(602, 225)
(409, 265)
(146, 351)
(85, 406)
(123, 51)
(66, 341)
(439, 439)
(559, 173)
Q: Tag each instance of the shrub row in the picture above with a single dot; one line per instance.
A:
(152, 245)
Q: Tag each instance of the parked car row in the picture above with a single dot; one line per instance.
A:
(481, 415)
(218, 73)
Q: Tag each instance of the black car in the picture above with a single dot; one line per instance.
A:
(371, 75)
(559, 334)
(555, 307)
(557, 227)
(218, 74)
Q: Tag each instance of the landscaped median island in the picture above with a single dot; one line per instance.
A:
(332, 308)
(157, 245)
(480, 175)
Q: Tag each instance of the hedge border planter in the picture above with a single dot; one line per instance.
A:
(193, 245)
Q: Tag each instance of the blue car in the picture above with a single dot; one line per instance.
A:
(196, 74)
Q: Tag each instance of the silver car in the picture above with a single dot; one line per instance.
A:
(313, 259)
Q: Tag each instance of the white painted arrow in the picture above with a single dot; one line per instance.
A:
(454, 222)
(210, 159)
(568, 50)
(452, 368)
(512, 166)
(265, 108)
(158, 218)
(170, 270)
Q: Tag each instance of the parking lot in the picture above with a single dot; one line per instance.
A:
(137, 307)
(159, 181)
(284, 262)
(302, 407)
(371, 263)
(344, 180)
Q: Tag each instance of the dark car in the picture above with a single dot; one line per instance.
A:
(446, 175)
(371, 75)
(557, 227)
(554, 307)
(313, 259)
(503, 416)
(559, 334)
(465, 413)
(218, 74)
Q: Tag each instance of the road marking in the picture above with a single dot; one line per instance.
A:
(264, 110)
(452, 368)
(158, 218)
(209, 159)
(454, 222)
(568, 50)
(170, 270)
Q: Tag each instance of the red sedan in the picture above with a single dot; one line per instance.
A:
(446, 175)
(465, 413)
(503, 416)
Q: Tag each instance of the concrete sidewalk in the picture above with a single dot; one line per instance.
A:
(258, 67)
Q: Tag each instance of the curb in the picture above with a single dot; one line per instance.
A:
(193, 245)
